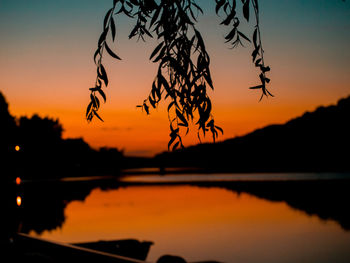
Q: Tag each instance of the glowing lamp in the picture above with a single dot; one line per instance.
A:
(17, 148)
(18, 180)
(19, 201)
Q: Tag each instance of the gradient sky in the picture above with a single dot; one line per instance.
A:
(46, 67)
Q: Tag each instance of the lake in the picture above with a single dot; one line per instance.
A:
(232, 218)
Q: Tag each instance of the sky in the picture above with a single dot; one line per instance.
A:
(46, 67)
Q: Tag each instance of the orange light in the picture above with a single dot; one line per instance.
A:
(17, 148)
(18, 180)
(19, 200)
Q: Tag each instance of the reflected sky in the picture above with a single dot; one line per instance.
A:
(229, 177)
(204, 224)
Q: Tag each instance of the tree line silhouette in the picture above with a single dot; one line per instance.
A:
(315, 142)
(33, 148)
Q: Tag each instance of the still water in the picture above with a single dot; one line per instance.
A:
(201, 223)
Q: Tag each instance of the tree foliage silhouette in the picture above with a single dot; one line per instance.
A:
(8, 127)
(183, 74)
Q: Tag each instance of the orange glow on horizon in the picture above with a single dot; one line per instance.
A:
(134, 131)
(131, 130)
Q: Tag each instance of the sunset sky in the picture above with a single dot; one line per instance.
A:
(46, 67)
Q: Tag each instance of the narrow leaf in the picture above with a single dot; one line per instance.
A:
(146, 108)
(220, 129)
(228, 19)
(88, 109)
(95, 55)
(161, 54)
(111, 53)
(257, 62)
(198, 7)
(256, 5)
(102, 74)
(155, 51)
(257, 87)
(219, 4)
(103, 95)
(155, 16)
(93, 99)
(181, 117)
(95, 88)
(152, 102)
(105, 21)
(176, 145)
(102, 38)
(246, 10)
(147, 32)
(98, 116)
(255, 38)
(255, 52)
(172, 139)
(170, 105)
(113, 28)
(231, 35)
(244, 36)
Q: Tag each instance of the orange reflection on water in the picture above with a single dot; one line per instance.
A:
(199, 224)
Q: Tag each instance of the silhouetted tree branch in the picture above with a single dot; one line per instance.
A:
(183, 73)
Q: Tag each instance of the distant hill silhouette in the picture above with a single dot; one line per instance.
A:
(317, 141)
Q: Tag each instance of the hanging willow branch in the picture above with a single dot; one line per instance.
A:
(94, 105)
(183, 74)
(236, 37)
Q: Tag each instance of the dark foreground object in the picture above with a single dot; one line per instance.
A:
(24, 248)
(130, 248)
(29, 249)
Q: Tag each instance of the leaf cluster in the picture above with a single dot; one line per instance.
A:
(234, 37)
(102, 78)
(183, 75)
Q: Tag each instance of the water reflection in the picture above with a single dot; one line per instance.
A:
(43, 203)
(202, 223)
(224, 221)
(326, 199)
